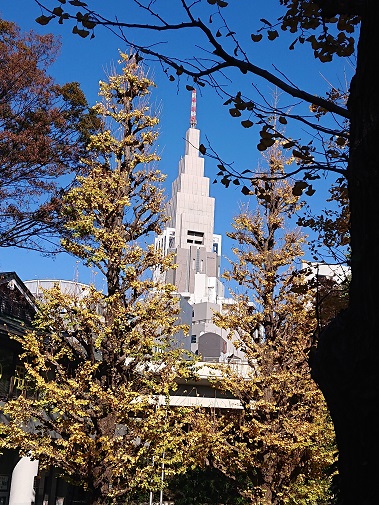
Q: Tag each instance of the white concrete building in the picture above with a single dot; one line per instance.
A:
(72, 288)
(339, 273)
(189, 234)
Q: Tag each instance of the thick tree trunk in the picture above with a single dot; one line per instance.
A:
(346, 362)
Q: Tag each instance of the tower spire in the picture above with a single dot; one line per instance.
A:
(193, 110)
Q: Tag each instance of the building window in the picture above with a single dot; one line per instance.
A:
(193, 339)
(195, 237)
(215, 248)
(6, 371)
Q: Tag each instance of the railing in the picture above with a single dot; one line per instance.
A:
(9, 308)
(14, 386)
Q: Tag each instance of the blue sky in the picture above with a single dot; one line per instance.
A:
(87, 61)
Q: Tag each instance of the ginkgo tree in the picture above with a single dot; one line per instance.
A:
(324, 32)
(285, 440)
(101, 365)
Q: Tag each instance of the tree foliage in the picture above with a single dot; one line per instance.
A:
(101, 365)
(44, 130)
(285, 438)
(206, 485)
(216, 35)
(345, 363)
(331, 226)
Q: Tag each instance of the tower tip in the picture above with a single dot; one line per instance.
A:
(193, 110)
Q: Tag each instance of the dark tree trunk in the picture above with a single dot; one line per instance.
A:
(346, 361)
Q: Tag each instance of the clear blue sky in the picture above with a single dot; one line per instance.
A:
(87, 61)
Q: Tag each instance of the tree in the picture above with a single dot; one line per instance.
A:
(285, 438)
(101, 365)
(331, 292)
(44, 130)
(345, 364)
(331, 226)
(205, 485)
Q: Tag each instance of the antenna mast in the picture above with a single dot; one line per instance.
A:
(193, 109)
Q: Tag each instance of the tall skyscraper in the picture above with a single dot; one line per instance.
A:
(189, 234)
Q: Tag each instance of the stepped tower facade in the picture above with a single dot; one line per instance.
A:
(189, 234)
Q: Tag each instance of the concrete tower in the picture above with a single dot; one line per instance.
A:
(189, 234)
(190, 229)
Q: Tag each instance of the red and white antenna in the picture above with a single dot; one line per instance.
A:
(193, 109)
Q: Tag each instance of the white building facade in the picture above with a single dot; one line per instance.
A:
(189, 235)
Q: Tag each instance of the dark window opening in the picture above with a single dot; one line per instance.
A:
(195, 233)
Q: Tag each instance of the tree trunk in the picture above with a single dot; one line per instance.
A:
(346, 361)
